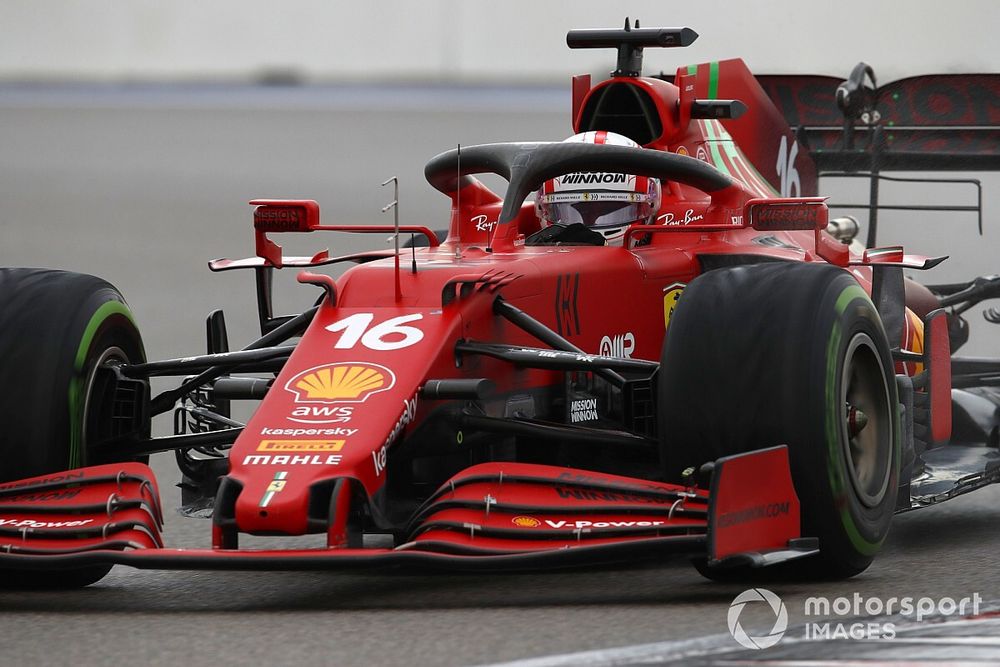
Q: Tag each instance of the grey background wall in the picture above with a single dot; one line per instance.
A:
(461, 40)
(142, 183)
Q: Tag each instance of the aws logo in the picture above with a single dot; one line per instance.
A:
(344, 382)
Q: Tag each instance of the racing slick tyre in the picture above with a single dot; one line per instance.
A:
(57, 330)
(795, 354)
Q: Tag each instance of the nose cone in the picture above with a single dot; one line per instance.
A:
(342, 399)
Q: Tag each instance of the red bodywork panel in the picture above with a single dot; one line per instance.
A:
(745, 520)
(758, 148)
(762, 133)
(350, 390)
(938, 353)
(335, 405)
(311, 427)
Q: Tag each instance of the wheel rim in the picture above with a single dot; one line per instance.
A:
(866, 425)
(112, 356)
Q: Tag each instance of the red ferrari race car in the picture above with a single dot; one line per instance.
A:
(670, 349)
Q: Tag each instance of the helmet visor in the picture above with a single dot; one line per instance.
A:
(595, 209)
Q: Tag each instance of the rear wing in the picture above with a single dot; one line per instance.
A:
(937, 122)
(855, 129)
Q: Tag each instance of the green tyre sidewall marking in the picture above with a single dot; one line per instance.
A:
(839, 485)
(77, 400)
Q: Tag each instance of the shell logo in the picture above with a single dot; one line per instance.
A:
(345, 382)
(526, 522)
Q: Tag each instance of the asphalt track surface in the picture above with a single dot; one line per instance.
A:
(142, 187)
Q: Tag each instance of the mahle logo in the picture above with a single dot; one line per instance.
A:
(776, 606)
(348, 382)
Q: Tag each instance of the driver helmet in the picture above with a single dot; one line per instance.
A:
(604, 202)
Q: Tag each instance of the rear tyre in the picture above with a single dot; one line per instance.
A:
(57, 331)
(794, 354)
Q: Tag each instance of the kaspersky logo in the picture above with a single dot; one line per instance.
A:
(344, 382)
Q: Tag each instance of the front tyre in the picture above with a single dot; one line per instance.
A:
(795, 354)
(60, 334)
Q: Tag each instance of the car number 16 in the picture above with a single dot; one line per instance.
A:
(391, 334)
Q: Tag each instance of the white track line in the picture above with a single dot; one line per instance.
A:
(627, 655)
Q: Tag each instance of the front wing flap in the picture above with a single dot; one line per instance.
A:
(100, 508)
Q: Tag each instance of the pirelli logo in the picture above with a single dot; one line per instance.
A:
(300, 445)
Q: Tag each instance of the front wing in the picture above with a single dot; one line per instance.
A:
(493, 516)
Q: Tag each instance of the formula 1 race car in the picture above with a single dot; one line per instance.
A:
(731, 376)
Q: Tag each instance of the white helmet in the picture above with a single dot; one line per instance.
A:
(606, 203)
